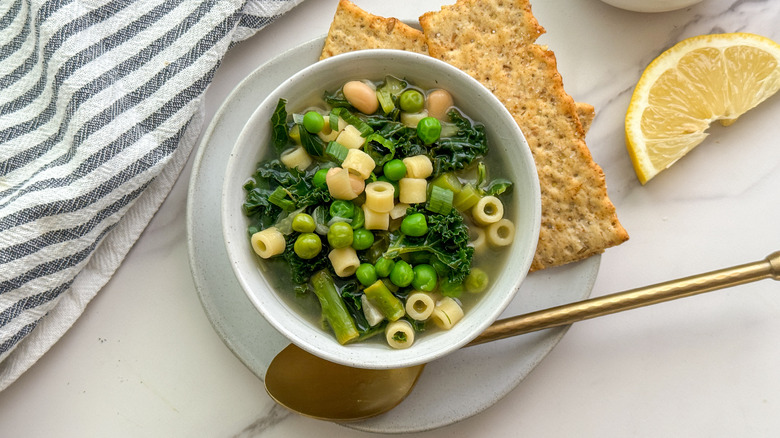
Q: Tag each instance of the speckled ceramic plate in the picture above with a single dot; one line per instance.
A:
(500, 365)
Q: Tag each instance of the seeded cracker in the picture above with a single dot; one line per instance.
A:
(493, 41)
(586, 113)
(355, 29)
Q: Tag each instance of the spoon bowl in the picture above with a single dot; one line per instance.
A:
(307, 384)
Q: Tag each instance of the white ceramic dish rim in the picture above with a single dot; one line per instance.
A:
(313, 339)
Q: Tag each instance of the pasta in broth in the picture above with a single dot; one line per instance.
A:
(380, 216)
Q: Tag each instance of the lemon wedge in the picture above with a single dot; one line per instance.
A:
(686, 88)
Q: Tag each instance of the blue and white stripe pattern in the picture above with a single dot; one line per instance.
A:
(100, 104)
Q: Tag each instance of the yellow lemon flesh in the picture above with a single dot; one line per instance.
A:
(697, 81)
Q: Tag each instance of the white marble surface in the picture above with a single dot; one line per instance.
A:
(143, 360)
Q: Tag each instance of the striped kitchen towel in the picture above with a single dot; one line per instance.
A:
(101, 102)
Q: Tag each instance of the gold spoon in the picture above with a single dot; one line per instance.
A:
(314, 387)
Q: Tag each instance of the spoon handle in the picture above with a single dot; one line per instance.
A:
(631, 299)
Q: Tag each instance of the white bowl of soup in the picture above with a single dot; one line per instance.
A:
(388, 224)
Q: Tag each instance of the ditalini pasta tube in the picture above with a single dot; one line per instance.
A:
(268, 243)
(447, 313)
(488, 210)
(359, 162)
(379, 196)
(340, 184)
(418, 166)
(419, 306)
(344, 260)
(350, 137)
(296, 158)
(375, 220)
(412, 190)
(501, 233)
(399, 334)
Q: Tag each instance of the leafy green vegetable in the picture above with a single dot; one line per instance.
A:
(399, 337)
(364, 128)
(457, 152)
(379, 148)
(272, 175)
(481, 174)
(447, 240)
(407, 144)
(492, 188)
(497, 187)
(311, 142)
(336, 99)
(466, 144)
(279, 133)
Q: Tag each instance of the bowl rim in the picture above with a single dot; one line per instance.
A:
(342, 354)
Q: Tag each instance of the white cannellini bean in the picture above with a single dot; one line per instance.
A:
(438, 102)
(361, 96)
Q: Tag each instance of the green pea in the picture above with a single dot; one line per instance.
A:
(384, 266)
(366, 274)
(345, 209)
(340, 235)
(307, 245)
(402, 274)
(412, 101)
(477, 281)
(414, 225)
(394, 169)
(425, 278)
(319, 179)
(362, 239)
(313, 121)
(429, 129)
(303, 223)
